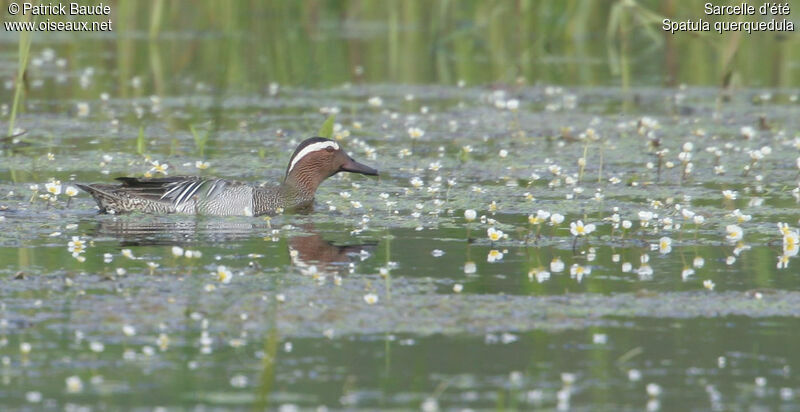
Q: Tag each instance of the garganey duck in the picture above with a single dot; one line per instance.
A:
(314, 160)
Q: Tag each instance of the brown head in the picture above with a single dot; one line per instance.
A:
(317, 159)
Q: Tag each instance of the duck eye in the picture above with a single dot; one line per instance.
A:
(329, 149)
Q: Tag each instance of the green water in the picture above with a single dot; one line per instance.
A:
(386, 296)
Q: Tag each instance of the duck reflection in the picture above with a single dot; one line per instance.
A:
(313, 254)
(156, 232)
(309, 251)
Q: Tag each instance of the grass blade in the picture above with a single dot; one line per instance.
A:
(140, 141)
(200, 140)
(326, 130)
(24, 52)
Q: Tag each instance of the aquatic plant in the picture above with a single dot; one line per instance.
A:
(23, 56)
(200, 140)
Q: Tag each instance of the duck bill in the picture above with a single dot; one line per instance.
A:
(354, 167)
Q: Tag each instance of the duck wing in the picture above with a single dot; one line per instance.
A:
(176, 189)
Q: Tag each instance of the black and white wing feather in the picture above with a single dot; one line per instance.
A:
(179, 191)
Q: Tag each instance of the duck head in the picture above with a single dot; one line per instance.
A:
(317, 159)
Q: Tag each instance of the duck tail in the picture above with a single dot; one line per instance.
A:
(102, 197)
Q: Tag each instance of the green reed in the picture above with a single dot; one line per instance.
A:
(200, 140)
(326, 130)
(25, 38)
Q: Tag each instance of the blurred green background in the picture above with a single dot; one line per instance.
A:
(239, 45)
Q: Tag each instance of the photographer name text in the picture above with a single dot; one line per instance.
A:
(61, 11)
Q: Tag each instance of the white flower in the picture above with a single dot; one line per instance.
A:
(494, 234)
(645, 272)
(556, 218)
(239, 381)
(71, 191)
(97, 347)
(708, 284)
(730, 194)
(162, 341)
(470, 268)
(556, 265)
(665, 245)
(494, 256)
(76, 246)
(74, 384)
(457, 288)
(201, 165)
(371, 298)
(644, 217)
(177, 251)
(578, 228)
(734, 233)
(158, 167)
(577, 271)
(698, 262)
(127, 253)
(470, 215)
(54, 187)
(223, 274)
(375, 101)
(790, 243)
(740, 217)
(783, 261)
(128, 330)
(634, 375)
(540, 217)
(193, 254)
(627, 224)
(33, 396)
(415, 132)
(653, 390)
(539, 274)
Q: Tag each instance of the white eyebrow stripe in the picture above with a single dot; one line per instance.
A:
(312, 148)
